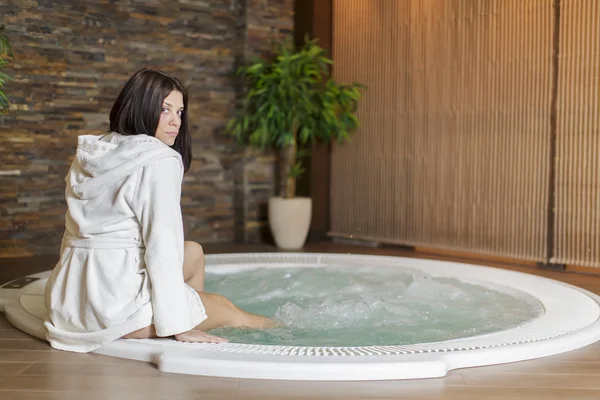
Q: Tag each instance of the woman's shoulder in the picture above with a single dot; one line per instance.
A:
(170, 163)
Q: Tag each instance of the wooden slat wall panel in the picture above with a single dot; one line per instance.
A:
(455, 125)
(577, 228)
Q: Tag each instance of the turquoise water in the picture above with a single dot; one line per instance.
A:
(364, 306)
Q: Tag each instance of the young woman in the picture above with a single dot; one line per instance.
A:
(124, 269)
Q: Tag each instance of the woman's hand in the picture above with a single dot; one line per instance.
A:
(195, 336)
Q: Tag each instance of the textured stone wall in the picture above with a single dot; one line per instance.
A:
(72, 58)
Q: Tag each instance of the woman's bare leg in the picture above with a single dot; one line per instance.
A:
(220, 313)
(193, 265)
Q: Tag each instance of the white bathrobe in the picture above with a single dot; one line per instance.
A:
(121, 261)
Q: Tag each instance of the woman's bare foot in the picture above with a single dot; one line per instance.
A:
(270, 323)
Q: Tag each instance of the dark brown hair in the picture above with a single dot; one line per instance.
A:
(137, 109)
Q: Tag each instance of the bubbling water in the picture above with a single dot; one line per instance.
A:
(367, 306)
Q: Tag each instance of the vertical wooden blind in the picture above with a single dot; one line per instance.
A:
(453, 149)
(577, 213)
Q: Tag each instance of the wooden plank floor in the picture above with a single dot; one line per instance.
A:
(30, 369)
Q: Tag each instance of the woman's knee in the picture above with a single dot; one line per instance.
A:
(194, 250)
(193, 259)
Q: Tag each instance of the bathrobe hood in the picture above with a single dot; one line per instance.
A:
(108, 159)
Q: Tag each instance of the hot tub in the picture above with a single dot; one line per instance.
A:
(561, 318)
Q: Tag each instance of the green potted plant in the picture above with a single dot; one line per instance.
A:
(291, 102)
(5, 56)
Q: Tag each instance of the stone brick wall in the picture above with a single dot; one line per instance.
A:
(72, 58)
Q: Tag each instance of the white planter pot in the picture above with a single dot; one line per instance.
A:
(289, 220)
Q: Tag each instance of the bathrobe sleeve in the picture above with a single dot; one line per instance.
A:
(157, 206)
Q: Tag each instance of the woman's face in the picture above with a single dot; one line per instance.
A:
(170, 118)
